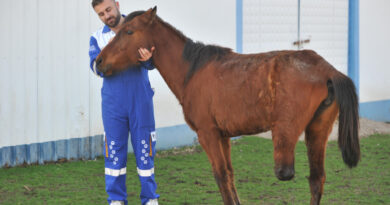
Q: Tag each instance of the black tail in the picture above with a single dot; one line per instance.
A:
(346, 98)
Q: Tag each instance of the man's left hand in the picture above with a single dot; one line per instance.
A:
(145, 53)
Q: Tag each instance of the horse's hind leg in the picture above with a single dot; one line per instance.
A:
(227, 148)
(211, 141)
(316, 135)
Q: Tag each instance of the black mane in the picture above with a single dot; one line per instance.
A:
(196, 53)
(132, 15)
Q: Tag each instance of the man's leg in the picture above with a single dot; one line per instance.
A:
(115, 155)
(144, 142)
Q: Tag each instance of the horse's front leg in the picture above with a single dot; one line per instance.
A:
(227, 149)
(211, 141)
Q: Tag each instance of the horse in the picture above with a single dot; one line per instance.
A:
(225, 94)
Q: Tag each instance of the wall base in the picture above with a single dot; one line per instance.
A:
(85, 148)
(376, 110)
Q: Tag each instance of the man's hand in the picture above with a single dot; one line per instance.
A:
(145, 53)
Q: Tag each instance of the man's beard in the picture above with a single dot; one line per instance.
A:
(114, 23)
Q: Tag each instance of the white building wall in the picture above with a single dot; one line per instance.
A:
(18, 84)
(374, 50)
(270, 25)
(325, 24)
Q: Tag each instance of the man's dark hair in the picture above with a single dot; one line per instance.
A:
(96, 2)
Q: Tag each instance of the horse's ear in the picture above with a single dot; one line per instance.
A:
(151, 15)
(154, 10)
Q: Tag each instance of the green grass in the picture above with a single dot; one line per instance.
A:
(184, 177)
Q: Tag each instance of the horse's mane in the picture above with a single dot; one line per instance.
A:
(196, 53)
(132, 15)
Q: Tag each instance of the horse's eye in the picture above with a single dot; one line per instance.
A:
(129, 32)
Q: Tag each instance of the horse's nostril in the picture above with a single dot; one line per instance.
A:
(98, 61)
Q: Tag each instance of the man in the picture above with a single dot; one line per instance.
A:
(127, 105)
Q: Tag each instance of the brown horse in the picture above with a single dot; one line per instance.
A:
(225, 94)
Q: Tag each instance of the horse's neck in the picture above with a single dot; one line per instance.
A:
(168, 59)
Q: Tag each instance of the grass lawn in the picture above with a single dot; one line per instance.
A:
(184, 177)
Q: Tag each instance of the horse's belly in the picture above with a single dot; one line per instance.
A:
(243, 119)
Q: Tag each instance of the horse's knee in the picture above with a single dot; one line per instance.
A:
(284, 172)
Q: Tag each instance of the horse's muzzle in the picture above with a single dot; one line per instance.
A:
(105, 69)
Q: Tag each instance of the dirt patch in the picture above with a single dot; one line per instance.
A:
(367, 128)
(180, 151)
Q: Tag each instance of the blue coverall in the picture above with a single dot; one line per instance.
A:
(127, 105)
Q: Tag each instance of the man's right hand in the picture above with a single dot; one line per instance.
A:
(145, 53)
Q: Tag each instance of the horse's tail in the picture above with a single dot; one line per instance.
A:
(347, 100)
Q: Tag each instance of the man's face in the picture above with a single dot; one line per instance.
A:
(108, 12)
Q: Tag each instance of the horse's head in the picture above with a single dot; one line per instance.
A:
(122, 52)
